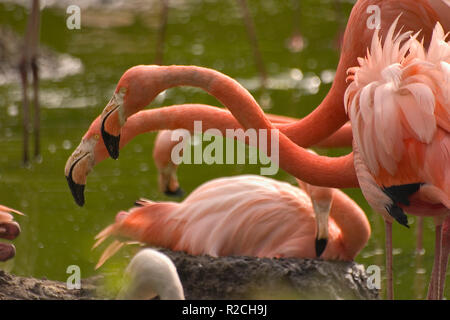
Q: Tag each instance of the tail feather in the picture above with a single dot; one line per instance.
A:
(6, 209)
(103, 235)
(142, 202)
(151, 224)
(109, 252)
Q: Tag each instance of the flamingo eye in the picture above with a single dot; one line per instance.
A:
(96, 137)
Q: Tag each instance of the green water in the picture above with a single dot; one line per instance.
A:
(55, 232)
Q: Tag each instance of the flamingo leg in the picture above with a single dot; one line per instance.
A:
(25, 108)
(390, 285)
(251, 33)
(37, 111)
(162, 32)
(445, 245)
(419, 235)
(32, 39)
(434, 281)
(29, 60)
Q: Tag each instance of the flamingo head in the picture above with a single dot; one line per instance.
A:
(89, 152)
(321, 199)
(168, 181)
(167, 169)
(136, 88)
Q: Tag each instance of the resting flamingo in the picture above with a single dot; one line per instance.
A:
(245, 215)
(399, 106)
(149, 274)
(168, 180)
(9, 229)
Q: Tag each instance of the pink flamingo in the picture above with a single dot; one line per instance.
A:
(320, 197)
(399, 106)
(92, 150)
(254, 216)
(9, 229)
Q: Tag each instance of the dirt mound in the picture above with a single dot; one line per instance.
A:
(205, 277)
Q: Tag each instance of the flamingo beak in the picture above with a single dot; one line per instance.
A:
(322, 212)
(76, 189)
(111, 141)
(78, 167)
(168, 182)
(7, 251)
(321, 244)
(112, 121)
(178, 193)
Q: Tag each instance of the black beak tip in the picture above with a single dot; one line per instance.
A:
(177, 193)
(321, 244)
(111, 143)
(77, 191)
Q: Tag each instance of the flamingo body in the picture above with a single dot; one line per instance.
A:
(399, 107)
(243, 215)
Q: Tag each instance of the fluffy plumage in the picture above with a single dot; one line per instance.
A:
(242, 215)
(399, 107)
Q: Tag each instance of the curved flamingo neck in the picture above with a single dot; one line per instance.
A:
(211, 117)
(352, 221)
(322, 171)
(323, 121)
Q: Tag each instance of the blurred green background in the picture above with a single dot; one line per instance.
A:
(57, 233)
